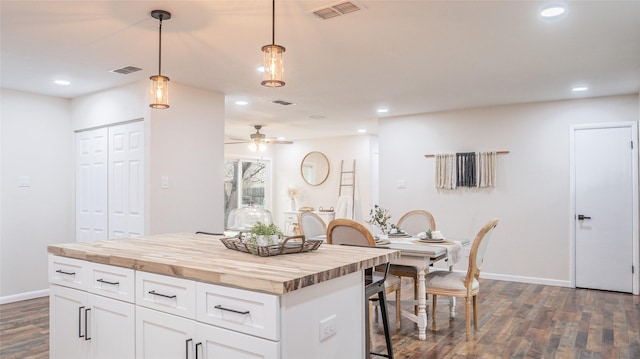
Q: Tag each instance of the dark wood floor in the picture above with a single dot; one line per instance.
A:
(516, 321)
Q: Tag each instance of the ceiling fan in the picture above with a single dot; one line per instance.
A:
(258, 141)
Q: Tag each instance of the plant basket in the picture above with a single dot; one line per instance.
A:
(287, 246)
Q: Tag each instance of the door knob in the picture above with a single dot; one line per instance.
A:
(582, 217)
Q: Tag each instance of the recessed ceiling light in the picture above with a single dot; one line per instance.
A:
(383, 110)
(62, 82)
(552, 11)
(579, 89)
(362, 130)
(281, 138)
(242, 103)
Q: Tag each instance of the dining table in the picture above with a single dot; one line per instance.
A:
(422, 254)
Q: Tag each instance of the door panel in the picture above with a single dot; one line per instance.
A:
(91, 185)
(604, 192)
(126, 180)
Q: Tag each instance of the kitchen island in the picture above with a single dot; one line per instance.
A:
(187, 295)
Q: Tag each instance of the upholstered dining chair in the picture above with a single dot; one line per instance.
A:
(311, 225)
(455, 284)
(348, 232)
(413, 222)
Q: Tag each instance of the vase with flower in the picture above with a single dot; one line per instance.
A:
(379, 218)
(292, 193)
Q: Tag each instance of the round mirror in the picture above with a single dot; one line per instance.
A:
(315, 168)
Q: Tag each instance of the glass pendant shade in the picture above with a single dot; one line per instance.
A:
(159, 92)
(273, 66)
(255, 146)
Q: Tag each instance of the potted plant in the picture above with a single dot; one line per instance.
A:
(380, 217)
(265, 234)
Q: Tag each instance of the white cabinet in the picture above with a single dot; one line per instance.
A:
(85, 319)
(161, 335)
(85, 325)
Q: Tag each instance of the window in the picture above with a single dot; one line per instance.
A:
(247, 182)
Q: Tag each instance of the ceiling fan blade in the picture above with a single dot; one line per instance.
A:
(237, 139)
(276, 142)
(236, 142)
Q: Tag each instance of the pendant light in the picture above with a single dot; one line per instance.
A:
(273, 57)
(159, 83)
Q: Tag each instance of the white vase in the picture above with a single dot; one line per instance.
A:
(292, 205)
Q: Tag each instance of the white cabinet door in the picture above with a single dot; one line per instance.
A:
(111, 328)
(91, 185)
(161, 335)
(66, 323)
(126, 180)
(84, 325)
(213, 342)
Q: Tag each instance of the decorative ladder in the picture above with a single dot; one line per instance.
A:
(344, 183)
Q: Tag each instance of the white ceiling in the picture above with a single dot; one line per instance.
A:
(409, 56)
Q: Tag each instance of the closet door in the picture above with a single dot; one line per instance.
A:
(91, 185)
(126, 180)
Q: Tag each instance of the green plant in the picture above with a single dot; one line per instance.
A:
(380, 218)
(261, 229)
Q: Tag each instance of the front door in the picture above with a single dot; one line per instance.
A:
(604, 191)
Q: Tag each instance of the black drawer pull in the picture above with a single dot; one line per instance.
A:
(107, 282)
(231, 310)
(63, 272)
(162, 295)
(80, 335)
(86, 327)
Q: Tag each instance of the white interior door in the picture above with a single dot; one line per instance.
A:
(604, 175)
(126, 180)
(91, 185)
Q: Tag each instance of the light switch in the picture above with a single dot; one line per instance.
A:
(402, 184)
(24, 181)
(165, 182)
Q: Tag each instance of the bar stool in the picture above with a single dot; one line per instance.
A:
(375, 284)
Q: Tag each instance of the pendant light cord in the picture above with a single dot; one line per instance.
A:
(160, 46)
(273, 22)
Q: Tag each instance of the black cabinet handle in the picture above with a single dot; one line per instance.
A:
(186, 349)
(582, 217)
(162, 295)
(231, 310)
(86, 327)
(80, 335)
(107, 282)
(198, 345)
(63, 272)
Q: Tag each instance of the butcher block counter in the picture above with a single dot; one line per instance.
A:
(204, 258)
(187, 295)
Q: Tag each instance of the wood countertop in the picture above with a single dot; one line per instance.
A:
(204, 258)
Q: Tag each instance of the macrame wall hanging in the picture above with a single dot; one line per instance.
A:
(466, 169)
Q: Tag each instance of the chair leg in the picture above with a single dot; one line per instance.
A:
(467, 314)
(385, 323)
(398, 309)
(475, 312)
(433, 310)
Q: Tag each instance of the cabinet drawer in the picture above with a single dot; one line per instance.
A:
(111, 281)
(68, 272)
(240, 310)
(168, 294)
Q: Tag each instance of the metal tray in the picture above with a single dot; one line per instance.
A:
(284, 247)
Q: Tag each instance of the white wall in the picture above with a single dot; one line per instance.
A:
(531, 198)
(37, 142)
(187, 146)
(183, 142)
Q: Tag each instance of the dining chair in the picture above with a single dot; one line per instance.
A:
(455, 284)
(413, 222)
(348, 232)
(311, 225)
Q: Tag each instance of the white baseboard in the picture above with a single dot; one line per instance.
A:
(520, 279)
(24, 296)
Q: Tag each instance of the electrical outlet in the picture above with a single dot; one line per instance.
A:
(328, 327)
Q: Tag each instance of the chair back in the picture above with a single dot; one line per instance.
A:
(416, 221)
(349, 232)
(478, 249)
(311, 225)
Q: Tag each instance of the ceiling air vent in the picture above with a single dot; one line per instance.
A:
(126, 70)
(283, 103)
(338, 9)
